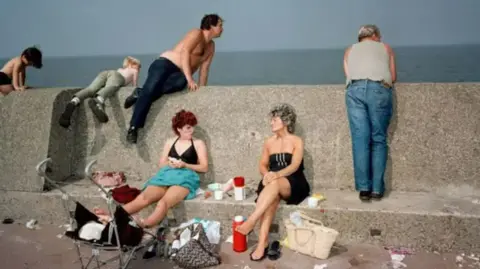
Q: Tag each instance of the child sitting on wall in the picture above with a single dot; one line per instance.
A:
(106, 84)
(13, 73)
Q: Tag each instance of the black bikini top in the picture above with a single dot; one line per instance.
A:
(188, 156)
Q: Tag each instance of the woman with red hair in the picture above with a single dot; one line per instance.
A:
(183, 157)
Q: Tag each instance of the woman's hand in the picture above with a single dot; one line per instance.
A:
(269, 177)
(177, 164)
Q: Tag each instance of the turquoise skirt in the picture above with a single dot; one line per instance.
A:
(184, 177)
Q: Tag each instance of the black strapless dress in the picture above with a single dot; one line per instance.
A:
(300, 189)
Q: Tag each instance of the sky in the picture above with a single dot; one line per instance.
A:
(115, 27)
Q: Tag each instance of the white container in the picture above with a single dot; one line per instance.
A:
(218, 194)
(239, 193)
(312, 202)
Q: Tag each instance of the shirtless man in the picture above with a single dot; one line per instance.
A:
(174, 70)
(12, 75)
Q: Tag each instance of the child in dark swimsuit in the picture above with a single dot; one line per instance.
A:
(12, 75)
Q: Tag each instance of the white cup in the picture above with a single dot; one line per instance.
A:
(218, 194)
(312, 202)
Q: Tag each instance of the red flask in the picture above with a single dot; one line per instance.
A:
(239, 240)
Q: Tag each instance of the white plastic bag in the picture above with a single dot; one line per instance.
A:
(213, 232)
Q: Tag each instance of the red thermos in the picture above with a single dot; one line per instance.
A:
(239, 240)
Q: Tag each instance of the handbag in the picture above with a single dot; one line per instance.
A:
(313, 238)
(108, 179)
(198, 252)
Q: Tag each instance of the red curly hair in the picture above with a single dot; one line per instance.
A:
(183, 118)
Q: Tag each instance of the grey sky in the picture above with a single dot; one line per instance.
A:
(112, 27)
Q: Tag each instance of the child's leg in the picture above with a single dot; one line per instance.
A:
(113, 83)
(6, 89)
(93, 88)
(80, 96)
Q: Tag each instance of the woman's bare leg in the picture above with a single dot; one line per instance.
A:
(272, 192)
(150, 195)
(173, 196)
(265, 224)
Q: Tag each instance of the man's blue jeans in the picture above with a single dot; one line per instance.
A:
(369, 109)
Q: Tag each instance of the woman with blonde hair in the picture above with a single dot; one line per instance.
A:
(106, 84)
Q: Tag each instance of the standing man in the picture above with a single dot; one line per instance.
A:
(369, 66)
(174, 70)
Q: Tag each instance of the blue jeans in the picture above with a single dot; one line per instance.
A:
(163, 77)
(369, 109)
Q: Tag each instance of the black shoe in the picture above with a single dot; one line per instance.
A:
(365, 195)
(132, 135)
(377, 196)
(274, 252)
(66, 115)
(98, 110)
(130, 101)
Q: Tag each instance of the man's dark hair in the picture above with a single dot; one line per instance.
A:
(34, 56)
(210, 20)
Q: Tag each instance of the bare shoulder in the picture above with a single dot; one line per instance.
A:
(389, 48)
(297, 140)
(170, 141)
(195, 33)
(199, 142)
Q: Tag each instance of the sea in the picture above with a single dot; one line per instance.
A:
(455, 63)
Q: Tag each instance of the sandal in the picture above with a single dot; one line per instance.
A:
(273, 251)
(261, 258)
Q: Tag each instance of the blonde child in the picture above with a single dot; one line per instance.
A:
(106, 84)
(12, 75)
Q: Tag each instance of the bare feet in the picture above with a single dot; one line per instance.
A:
(246, 227)
(102, 215)
(259, 253)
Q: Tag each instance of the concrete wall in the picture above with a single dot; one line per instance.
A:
(434, 144)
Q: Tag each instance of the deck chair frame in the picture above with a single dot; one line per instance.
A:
(125, 253)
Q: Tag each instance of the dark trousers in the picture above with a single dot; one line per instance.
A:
(163, 77)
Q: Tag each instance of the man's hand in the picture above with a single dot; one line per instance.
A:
(192, 85)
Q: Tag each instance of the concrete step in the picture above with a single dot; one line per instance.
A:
(434, 222)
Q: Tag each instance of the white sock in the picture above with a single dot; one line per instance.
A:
(75, 100)
(100, 99)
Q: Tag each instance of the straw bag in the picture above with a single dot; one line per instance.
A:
(313, 238)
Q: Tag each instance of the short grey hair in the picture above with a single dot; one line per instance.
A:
(286, 113)
(368, 30)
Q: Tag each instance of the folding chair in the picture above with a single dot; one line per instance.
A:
(121, 234)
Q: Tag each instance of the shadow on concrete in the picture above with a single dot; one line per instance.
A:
(117, 110)
(80, 129)
(209, 177)
(307, 157)
(391, 134)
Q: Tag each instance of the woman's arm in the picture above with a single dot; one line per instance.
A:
(296, 159)
(202, 166)
(264, 160)
(164, 158)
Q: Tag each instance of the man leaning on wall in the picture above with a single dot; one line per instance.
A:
(369, 67)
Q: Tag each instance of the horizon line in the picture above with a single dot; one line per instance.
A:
(249, 51)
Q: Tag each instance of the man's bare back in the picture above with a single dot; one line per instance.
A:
(199, 54)
(194, 51)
